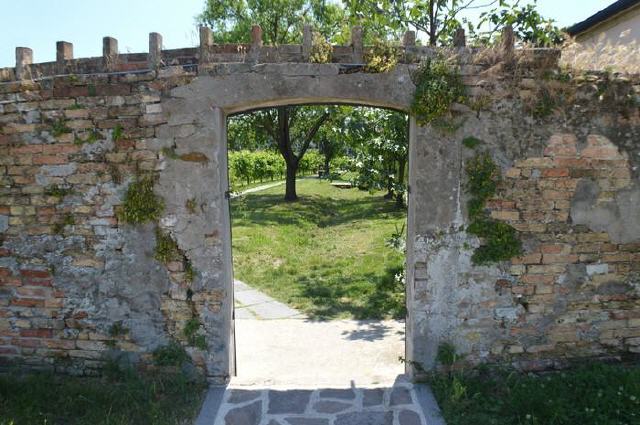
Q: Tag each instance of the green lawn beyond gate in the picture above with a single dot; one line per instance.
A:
(325, 254)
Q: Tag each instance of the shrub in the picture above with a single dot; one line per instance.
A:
(438, 85)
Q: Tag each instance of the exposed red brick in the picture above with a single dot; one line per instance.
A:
(49, 160)
(71, 91)
(555, 172)
(37, 282)
(35, 273)
(27, 302)
(36, 333)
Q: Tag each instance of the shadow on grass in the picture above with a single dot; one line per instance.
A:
(266, 209)
(337, 297)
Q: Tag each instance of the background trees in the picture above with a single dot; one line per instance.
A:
(377, 140)
(436, 21)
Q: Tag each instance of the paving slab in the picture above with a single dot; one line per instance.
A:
(253, 304)
(308, 406)
(297, 371)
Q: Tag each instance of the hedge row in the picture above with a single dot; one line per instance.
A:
(246, 167)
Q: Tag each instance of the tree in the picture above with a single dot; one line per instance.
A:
(281, 22)
(292, 145)
(381, 139)
(332, 137)
(439, 19)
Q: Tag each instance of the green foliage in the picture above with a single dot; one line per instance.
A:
(597, 394)
(483, 176)
(355, 277)
(438, 20)
(117, 133)
(189, 271)
(471, 142)
(321, 49)
(170, 153)
(141, 204)
(382, 57)
(545, 103)
(528, 25)
(438, 85)
(191, 332)
(57, 191)
(114, 172)
(380, 141)
(500, 241)
(281, 20)
(166, 247)
(67, 220)
(398, 240)
(446, 354)
(59, 127)
(93, 136)
(122, 396)
(191, 205)
(118, 329)
(172, 354)
(246, 167)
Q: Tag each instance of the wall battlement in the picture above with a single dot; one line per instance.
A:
(210, 52)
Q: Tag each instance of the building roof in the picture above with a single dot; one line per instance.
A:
(601, 16)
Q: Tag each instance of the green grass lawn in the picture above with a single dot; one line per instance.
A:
(44, 399)
(598, 394)
(325, 254)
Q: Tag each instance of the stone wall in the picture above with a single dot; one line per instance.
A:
(78, 285)
(570, 186)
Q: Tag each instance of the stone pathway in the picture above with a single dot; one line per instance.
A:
(253, 304)
(256, 189)
(399, 404)
(296, 371)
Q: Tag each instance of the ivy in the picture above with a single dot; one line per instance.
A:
(141, 204)
(382, 57)
(438, 85)
(500, 240)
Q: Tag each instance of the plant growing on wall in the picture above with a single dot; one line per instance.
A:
(438, 85)
(382, 57)
(500, 241)
(141, 204)
(321, 49)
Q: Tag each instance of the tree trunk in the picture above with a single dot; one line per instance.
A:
(290, 191)
(327, 171)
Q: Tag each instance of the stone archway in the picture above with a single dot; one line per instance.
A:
(196, 125)
(93, 126)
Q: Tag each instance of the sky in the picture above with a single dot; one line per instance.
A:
(38, 24)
